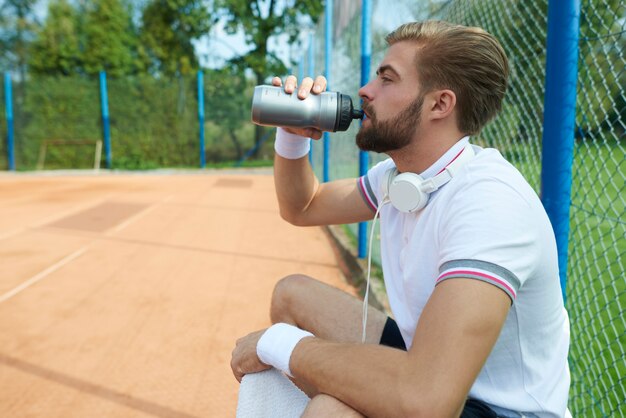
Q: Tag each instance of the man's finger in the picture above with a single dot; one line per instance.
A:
(239, 375)
(305, 87)
(320, 84)
(291, 82)
(276, 81)
(314, 133)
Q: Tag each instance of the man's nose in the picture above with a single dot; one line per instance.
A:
(365, 92)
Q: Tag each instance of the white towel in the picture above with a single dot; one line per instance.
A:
(270, 394)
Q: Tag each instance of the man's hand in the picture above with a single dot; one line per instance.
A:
(244, 358)
(307, 86)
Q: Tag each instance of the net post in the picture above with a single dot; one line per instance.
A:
(8, 111)
(201, 118)
(104, 107)
(97, 156)
(41, 158)
(366, 57)
(559, 119)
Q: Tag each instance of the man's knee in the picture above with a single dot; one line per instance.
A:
(287, 293)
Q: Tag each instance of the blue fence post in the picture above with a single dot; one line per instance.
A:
(328, 24)
(104, 106)
(559, 119)
(301, 68)
(201, 118)
(8, 111)
(311, 71)
(366, 58)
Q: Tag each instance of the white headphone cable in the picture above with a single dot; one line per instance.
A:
(369, 270)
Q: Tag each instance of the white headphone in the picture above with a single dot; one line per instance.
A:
(409, 192)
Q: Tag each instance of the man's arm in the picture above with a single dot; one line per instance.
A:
(304, 201)
(456, 332)
(301, 198)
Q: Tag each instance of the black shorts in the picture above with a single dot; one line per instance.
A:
(391, 335)
(473, 407)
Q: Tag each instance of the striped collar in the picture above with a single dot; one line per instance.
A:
(445, 159)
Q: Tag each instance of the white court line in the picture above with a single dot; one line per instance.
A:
(43, 274)
(77, 253)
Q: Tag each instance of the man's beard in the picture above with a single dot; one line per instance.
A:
(393, 134)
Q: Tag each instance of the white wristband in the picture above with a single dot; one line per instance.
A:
(291, 146)
(277, 343)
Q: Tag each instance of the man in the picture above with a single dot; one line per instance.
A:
(471, 272)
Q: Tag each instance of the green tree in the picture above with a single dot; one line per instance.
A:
(261, 20)
(86, 38)
(17, 25)
(56, 49)
(110, 41)
(168, 29)
(227, 104)
(601, 110)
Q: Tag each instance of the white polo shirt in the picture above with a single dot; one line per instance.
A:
(486, 224)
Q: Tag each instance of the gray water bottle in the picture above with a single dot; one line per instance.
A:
(327, 111)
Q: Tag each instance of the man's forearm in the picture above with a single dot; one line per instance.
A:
(369, 378)
(366, 377)
(295, 184)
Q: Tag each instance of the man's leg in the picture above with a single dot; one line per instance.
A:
(323, 310)
(328, 313)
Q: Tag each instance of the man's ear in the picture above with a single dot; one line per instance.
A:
(441, 104)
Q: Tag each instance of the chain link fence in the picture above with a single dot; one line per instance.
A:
(597, 251)
(153, 122)
(596, 286)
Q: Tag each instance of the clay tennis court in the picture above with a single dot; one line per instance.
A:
(122, 295)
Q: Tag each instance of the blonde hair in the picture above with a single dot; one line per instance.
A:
(467, 60)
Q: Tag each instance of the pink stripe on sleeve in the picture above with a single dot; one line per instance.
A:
(364, 193)
(476, 273)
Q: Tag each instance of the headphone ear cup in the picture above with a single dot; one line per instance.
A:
(405, 192)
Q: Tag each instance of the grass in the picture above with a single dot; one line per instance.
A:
(596, 289)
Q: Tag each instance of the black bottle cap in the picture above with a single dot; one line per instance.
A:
(345, 113)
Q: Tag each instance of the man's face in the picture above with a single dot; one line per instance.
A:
(392, 102)
(392, 134)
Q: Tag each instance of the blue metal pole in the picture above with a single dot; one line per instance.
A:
(366, 58)
(104, 106)
(328, 24)
(8, 111)
(301, 68)
(311, 71)
(559, 119)
(201, 118)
